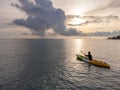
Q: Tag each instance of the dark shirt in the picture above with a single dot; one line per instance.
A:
(89, 56)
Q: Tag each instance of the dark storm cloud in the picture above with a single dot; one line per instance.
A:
(43, 16)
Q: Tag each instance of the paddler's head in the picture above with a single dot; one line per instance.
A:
(89, 52)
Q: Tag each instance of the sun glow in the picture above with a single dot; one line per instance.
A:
(77, 21)
(78, 11)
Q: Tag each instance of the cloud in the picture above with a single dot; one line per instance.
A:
(113, 33)
(42, 16)
(100, 19)
(111, 5)
(93, 19)
(114, 4)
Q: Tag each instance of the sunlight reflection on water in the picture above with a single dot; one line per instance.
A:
(78, 44)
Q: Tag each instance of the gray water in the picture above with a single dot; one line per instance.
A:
(36, 64)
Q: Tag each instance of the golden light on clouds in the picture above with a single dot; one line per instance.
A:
(77, 21)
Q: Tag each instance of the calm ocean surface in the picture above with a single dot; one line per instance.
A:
(36, 64)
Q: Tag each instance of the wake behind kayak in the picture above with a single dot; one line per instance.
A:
(93, 62)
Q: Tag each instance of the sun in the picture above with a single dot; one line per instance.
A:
(77, 21)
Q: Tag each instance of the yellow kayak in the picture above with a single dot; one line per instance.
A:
(93, 62)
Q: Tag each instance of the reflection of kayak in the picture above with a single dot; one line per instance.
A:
(93, 62)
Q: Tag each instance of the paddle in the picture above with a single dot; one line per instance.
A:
(83, 53)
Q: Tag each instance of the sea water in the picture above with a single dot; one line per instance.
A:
(44, 64)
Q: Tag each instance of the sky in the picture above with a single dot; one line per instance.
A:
(59, 18)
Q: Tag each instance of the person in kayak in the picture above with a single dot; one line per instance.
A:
(89, 56)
